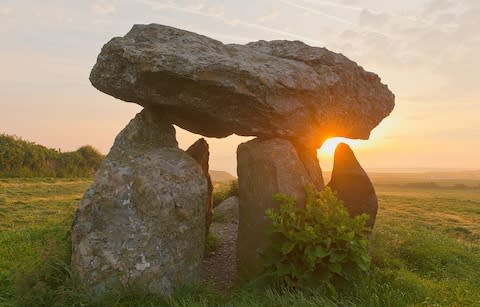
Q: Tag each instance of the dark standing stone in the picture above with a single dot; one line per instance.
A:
(352, 185)
(200, 153)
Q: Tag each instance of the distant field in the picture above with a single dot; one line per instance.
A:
(425, 250)
(470, 179)
(32, 202)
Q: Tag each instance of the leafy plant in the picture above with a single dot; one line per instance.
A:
(315, 244)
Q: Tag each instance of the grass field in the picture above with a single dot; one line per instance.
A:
(425, 252)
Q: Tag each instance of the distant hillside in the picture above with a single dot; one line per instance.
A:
(20, 158)
(221, 176)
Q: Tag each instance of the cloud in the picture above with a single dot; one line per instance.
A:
(369, 18)
(5, 11)
(472, 3)
(229, 20)
(336, 18)
(445, 18)
(102, 7)
(217, 10)
(436, 6)
(317, 12)
(349, 35)
(345, 5)
(194, 6)
(272, 15)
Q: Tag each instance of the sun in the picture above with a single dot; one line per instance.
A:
(328, 147)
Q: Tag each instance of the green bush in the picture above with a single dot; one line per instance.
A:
(318, 244)
(20, 158)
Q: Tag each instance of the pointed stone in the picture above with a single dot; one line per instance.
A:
(352, 185)
(200, 153)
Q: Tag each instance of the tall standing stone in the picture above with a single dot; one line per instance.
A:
(265, 167)
(199, 151)
(352, 185)
(142, 222)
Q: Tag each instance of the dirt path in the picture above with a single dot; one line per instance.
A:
(219, 267)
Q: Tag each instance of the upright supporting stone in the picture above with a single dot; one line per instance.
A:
(352, 185)
(265, 167)
(199, 151)
(308, 156)
(142, 222)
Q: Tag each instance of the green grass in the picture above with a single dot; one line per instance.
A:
(213, 243)
(425, 252)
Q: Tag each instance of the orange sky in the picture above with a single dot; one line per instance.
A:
(427, 51)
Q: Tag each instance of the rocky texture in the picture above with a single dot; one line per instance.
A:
(271, 89)
(227, 210)
(199, 152)
(142, 222)
(265, 167)
(352, 185)
(312, 165)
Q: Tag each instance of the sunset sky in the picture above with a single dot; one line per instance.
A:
(428, 52)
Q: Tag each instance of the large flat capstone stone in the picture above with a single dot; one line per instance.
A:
(278, 88)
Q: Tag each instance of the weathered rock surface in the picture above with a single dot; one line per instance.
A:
(142, 222)
(271, 89)
(199, 151)
(352, 185)
(309, 158)
(228, 209)
(265, 167)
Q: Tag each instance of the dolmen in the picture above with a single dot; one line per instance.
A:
(143, 222)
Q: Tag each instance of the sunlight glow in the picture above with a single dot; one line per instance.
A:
(328, 147)
(326, 153)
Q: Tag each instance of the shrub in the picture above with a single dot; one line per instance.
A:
(316, 244)
(20, 158)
